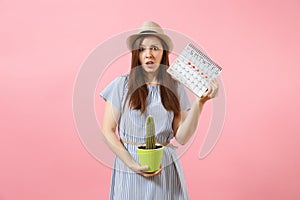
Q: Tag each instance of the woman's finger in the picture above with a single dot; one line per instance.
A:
(207, 92)
(143, 168)
(214, 88)
(214, 83)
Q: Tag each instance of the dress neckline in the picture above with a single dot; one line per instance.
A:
(152, 84)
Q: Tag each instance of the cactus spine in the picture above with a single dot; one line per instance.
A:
(150, 133)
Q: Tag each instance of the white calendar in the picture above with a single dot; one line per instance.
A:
(194, 69)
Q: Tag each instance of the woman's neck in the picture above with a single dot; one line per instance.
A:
(150, 79)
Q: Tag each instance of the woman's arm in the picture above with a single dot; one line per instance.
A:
(189, 120)
(109, 124)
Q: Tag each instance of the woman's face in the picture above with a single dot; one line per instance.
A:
(150, 53)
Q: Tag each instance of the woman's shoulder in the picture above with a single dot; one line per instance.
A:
(120, 79)
(124, 76)
(124, 79)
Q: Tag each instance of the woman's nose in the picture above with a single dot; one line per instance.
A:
(148, 53)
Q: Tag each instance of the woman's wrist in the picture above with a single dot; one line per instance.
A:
(131, 163)
(201, 102)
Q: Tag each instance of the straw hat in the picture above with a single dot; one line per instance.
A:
(152, 28)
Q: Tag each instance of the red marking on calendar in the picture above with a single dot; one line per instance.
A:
(190, 73)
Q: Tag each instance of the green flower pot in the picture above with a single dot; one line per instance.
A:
(150, 157)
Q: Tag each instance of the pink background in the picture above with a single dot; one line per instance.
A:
(43, 44)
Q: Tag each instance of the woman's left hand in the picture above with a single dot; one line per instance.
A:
(152, 174)
(211, 92)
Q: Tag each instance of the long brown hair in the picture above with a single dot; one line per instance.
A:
(137, 88)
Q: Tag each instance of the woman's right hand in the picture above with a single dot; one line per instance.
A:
(136, 167)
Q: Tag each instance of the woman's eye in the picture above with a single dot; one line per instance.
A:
(155, 48)
(141, 49)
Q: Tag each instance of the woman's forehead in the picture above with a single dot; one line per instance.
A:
(150, 40)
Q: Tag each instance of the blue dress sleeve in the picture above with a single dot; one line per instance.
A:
(114, 92)
(183, 98)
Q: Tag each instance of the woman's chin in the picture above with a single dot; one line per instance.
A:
(150, 69)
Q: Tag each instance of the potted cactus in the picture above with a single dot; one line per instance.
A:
(150, 154)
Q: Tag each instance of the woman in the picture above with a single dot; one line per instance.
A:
(149, 90)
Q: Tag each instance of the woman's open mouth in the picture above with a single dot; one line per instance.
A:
(150, 64)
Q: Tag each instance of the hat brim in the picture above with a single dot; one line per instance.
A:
(131, 39)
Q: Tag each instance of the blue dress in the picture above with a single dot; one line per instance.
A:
(127, 185)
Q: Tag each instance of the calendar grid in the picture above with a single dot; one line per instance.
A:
(194, 69)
